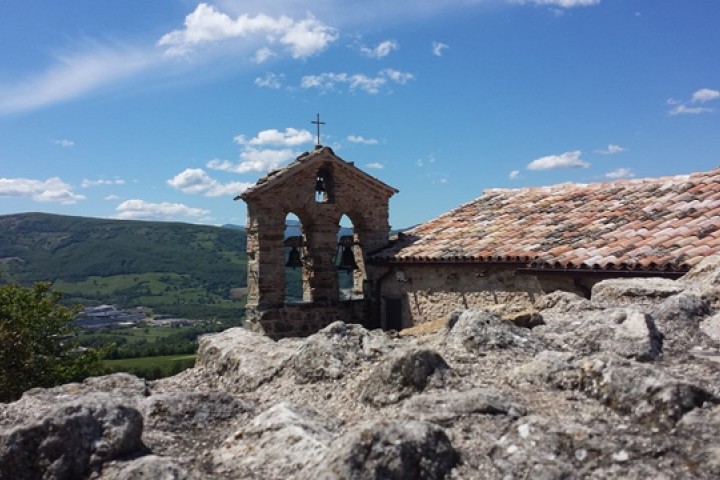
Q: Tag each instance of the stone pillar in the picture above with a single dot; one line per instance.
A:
(322, 248)
(266, 260)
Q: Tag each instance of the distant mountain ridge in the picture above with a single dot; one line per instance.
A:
(206, 261)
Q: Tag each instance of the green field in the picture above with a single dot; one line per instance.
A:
(152, 368)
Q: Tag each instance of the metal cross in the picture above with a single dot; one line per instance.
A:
(318, 123)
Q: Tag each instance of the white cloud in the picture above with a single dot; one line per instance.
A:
(112, 197)
(514, 174)
(705, 95)
(700, 96)
(196, 181)
(438, 47)
(289, 138)
(263, 54)
(94, 183)
(683, 109)
(611, 150)
(206, 25)
(140, 209)
(620, 173)
(50, 190)
(375, 165)
(372, 85)
(270, 80)
(72, 76)
(255, 160)
(64, 143)
(564, 160)
(383, 49)
(362, 140)
(561, 3)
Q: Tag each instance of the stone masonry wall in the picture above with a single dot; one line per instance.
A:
(431, 292)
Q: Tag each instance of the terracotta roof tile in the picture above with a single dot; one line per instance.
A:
(655, 223)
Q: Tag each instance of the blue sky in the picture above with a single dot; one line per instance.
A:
(166, 110)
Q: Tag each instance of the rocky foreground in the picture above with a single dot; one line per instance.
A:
(626, 385)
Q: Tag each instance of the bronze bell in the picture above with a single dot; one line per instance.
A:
(294, 259)
(320, 185)
(347, 260)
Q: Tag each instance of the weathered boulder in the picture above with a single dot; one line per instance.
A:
(39, 402)
(388, 450)
(700, 430)
(539, 447)
(403, 374)
(242, 360)
(704, 280)
(72, 441)
(443, 407)
(150, 467)
(335, 350)
(548, 367)
(278, 443)
(678, 318)
(625, 331)
(478, 330)
(640, 390)
(618, 292)
(563, 302)
(190, 410)
(711, 327)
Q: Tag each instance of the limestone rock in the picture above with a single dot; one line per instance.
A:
(539, 447)
(640, 390)
(704, 280)
(190, 410)
(478, 330)
(389, 450)
(563, 302)
(72, 441)
(278, 443)
(242, 359)
(548, 367)
(150, 467)
(679, 317)
(39, 402)
(625, 331)
(617, 292)
(440, 407)
(403, 374)
(335, 350)
(711, 327)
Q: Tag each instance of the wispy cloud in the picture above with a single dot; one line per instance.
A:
(514, 174)
(564, 160)
(94, 183)
(620, 173)
(50, 190)
(140, 209)
(64, 143)
(358, 81)
(382, 49)
(362, 140)
(208, 26)
(375, 165)
(692, 107)
(270, 80)
(438, 47)
(611, 150)
(196, 181)
(72, 76)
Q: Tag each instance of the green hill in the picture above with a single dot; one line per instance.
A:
(190, 270)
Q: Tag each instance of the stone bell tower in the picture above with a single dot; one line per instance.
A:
(319, 188)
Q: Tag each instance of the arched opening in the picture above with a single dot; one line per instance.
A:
(324, 186)
(294, 249)
(349, 261)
